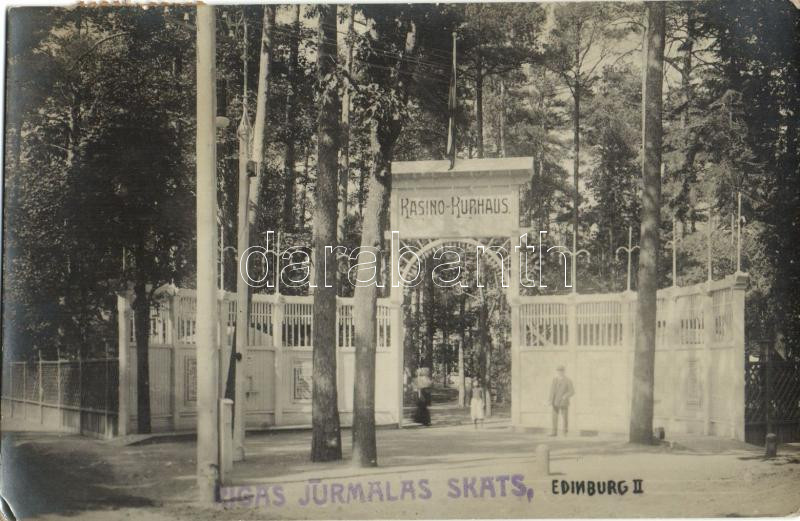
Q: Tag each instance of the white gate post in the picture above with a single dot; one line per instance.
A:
(277, 342)
(123, 321)
(397, 345)
(738, 289)
(513, 301)
(572, 321)
(672, 339)
(340, 387)
(629, 300)
(708, 338)
(516, 396)
(242, 323)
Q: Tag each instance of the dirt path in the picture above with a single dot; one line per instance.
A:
(51, 477)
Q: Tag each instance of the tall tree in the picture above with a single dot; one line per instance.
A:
(641, 425)
(262, 108)
(579, 42)
(393, 29)
(344, 150)
(326, 438)
(496, 39)
(613, 131)
(290, 125)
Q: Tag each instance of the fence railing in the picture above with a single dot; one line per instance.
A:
(172, 320)
(277, 364)
(699, 366)
(64, 395)
(606, 320)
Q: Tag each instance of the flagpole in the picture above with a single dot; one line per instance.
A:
(451, 106)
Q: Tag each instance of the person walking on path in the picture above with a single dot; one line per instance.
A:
(477, 404)
(561, 391)
(422, 385)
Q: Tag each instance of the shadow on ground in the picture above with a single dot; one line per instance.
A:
(40, 477)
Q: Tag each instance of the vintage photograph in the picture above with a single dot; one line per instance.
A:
(401, 261)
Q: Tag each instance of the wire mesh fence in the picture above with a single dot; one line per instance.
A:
(66, 393)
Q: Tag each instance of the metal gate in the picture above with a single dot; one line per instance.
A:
(772, 396)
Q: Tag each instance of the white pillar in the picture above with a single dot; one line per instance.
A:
(708, 338)
(208, 461)
(629, 300)
(737, 390)
(397, 346)
(572, 320)
(672, 339)
(516, 373)
(514, 303)
(277, 342)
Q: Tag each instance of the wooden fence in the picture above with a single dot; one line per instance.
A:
(699, 378)
(277, 362)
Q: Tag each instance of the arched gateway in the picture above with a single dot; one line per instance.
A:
(699, 377)
(475, 203)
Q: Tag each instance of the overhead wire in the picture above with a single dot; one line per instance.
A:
(293, 33)
(432, 69)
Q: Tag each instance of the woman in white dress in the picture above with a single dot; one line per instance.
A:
(477, 404)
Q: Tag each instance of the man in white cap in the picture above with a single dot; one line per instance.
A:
(561, 391)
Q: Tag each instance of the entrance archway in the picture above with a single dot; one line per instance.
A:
(474, 204)
(699, 378)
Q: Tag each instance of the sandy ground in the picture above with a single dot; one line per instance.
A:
(423, 473)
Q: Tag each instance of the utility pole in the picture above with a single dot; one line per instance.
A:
(208, 457)
(243, 132)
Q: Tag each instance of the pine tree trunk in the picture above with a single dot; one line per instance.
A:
(344, 150)
(641, 426)
(576, 130)
(488, 387)
(326, 443)
(384, 133)
(502, 117)
(479, 104)
(262, 106)
(141, 316)
(365, 302)
(445, 353)
(289, 202)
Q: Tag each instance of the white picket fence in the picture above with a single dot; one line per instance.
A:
(277, 365)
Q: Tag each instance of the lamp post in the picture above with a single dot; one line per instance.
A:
(709, 268)
(237, 28)
(674, 245)
(629, 250)
(574, 253)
